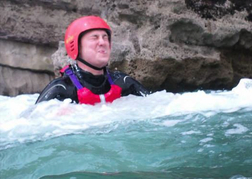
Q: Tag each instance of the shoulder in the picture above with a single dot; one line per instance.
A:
(118, 76)
(128, 84)
(59, 82)
(59, 88)
(115, 75)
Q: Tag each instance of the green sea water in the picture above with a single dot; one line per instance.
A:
(184, 146)
(164, 135)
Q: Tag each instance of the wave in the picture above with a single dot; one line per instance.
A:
(23, 121)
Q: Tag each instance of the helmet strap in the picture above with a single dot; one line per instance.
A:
(89, 65)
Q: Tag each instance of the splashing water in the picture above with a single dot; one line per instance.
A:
(164, 135)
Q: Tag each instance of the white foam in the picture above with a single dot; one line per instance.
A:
(190, 132)
(205, 140)
(21, 119)
(239, 129)
(210, 103)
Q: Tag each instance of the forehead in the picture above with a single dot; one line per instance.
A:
(95, 32)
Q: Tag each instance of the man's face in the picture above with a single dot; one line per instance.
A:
(95, 48)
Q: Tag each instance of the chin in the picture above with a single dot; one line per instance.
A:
(103, 62)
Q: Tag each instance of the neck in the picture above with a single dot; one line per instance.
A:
(90, 70)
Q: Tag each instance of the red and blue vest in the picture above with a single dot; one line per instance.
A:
(86, 96)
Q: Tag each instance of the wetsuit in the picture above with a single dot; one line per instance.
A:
(63, 87)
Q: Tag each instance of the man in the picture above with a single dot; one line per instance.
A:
(88, 41)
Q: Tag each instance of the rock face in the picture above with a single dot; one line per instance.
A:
(24, 68)
(174, 45)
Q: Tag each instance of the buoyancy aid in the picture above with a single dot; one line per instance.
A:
(86, 96)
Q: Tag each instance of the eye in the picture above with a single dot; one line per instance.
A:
(105, 37)
(94, 37)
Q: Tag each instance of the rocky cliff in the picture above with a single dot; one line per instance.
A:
(177, 45)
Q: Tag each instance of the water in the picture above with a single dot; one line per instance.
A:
(165, 135)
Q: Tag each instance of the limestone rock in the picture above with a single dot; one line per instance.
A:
(18, 81)
(26, 56)
(60, 59)
(174, 45)
(24, 68)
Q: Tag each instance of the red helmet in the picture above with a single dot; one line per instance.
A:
(77, 27)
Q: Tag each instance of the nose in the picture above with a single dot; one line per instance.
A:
(101, 41)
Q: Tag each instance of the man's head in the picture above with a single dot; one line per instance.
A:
(89, 38)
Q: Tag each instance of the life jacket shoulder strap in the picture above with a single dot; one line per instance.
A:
(69, 72)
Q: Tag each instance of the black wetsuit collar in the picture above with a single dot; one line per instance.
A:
(98, 84)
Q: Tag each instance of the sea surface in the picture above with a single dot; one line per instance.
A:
(201, 134)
